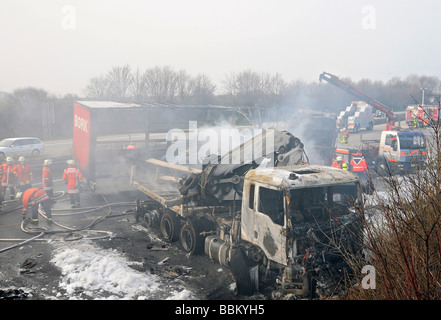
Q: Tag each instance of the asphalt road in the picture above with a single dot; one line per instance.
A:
(106, 215)
(42, 280)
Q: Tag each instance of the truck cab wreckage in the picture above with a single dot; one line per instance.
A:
(280, 223)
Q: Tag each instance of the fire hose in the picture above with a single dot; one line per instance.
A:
(69, 230)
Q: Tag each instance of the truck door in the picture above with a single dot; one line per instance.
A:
(269, 223)
(391, 148)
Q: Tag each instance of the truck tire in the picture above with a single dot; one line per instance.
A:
(151, 219)
(241, 274)
(169, 226)
(190, 238)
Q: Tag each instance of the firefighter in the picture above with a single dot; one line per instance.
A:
(344, 136)
(8, 178)
(72, 177)
(358, 162)
(32, 197)
(48, 184)
(344, 166)
(337, 162)
(23, 172)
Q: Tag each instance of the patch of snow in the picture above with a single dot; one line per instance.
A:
(90, 272)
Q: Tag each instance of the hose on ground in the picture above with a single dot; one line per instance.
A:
(73, 233)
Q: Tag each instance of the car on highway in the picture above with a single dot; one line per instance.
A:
(24, 146)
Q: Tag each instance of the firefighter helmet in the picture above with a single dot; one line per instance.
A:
(339, 158)
(71, 162)
(18, 195)
(9, 159)
(21, 159)
(47, 162)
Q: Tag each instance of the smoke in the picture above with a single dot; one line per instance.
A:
(315, 129)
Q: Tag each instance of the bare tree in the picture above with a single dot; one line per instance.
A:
(229, 84)
(251, 88)
(249, 83)
(120, 81)
(98, 88)
(161, 83)
(202, 89)
(138, 90)
(183, 83)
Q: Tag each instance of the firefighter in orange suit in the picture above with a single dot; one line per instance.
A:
(8, 179)
(337, 162)
(48, 183)
(358, 162)
(23, 172)
(32, 197)
(73, 176)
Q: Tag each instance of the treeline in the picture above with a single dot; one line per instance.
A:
(36, 112)
(251, 88)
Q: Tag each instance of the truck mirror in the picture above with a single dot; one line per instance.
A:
(394, 145)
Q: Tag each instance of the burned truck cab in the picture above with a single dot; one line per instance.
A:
(298, 216)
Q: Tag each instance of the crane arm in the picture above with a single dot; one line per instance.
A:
(359, 95)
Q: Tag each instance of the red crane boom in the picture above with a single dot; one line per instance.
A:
(359, 95)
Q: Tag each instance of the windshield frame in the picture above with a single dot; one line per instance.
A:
(6, 143)
(417, 139)
(328, 192)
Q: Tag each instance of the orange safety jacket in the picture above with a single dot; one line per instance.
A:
(23, 173)
(8, 179)
(48, 183)
(72, 176)
(32, 197)
(335, 164)
(358, 163)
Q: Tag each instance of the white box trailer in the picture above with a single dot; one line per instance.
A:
(362, 118)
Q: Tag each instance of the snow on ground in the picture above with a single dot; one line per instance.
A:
(90, 272)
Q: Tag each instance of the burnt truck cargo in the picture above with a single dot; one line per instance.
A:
(275, 221)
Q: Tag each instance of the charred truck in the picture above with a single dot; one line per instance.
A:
(274, 220)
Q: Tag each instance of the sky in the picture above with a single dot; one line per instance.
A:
(59, 45)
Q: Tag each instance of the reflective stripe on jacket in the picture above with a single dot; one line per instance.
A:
(24, 173)
(33, 196)
(48, 184)
(8, 179)
(73, 176)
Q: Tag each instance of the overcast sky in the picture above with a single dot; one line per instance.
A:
(59, 45)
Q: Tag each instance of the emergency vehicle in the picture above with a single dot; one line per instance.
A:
(400, 150)
(418, 116)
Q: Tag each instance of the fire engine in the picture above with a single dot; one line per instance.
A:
(418, 116)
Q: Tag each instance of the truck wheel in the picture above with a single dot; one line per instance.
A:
(151, 219)
(170, 226)
(241, 274)
(190, 239)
